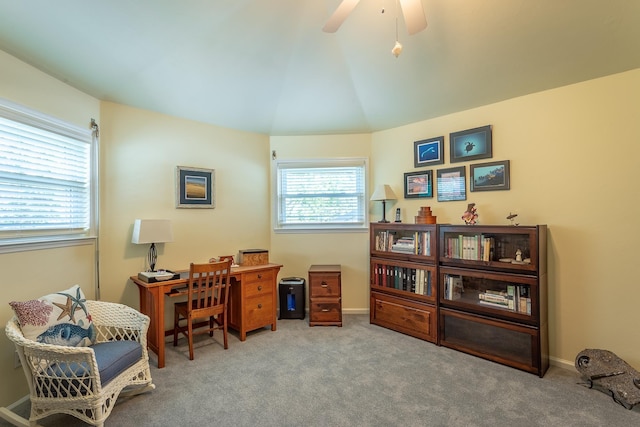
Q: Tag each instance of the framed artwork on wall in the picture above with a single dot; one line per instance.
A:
(195, 187)
(471, 144)
(451, 184)
(490, 176)
(418, 184)
(428, 152)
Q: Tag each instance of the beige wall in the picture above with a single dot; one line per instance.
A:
(574, 156)
(140, 152)
(349, 249)
(27, 275)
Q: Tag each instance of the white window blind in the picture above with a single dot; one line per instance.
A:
(321, 194)
(45, 177)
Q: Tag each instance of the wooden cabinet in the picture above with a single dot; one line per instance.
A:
(493, 293)
(403, 279)
(325, 295)
(477, 289)
(252, 302)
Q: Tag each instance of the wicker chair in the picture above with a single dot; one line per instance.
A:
(86, 381)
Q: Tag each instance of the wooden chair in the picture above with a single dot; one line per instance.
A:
(208, 295)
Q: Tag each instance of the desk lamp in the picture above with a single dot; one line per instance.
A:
(152, 231)
(384, 193)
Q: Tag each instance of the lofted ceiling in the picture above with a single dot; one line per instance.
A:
(266, 66)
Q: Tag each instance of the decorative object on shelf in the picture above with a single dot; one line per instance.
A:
(511, 217)
(489, 176)
(152, 231)
(428, 152)
(424, 216)
(605, 371)
(195, 188)
(452, 184)
(519, 255)
(383, 193)
(418, 184)
(471, 144)
(471, 214)
(398, 215)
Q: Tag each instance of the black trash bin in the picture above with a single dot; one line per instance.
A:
(292, 301)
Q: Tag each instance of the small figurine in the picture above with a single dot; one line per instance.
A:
(470, 214)
(519, 255)
(398, 215)
(511, 216)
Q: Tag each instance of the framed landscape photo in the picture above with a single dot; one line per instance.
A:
(428, 152)
(451, 184)
(418, 184)
(471, 144)
(195, 187)
(489, 176)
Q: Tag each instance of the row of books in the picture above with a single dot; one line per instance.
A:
(453, 287)
(477, 248)
(417, 243)
(515, 298)
(415, 280)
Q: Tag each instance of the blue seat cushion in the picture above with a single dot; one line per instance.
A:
(112, 357)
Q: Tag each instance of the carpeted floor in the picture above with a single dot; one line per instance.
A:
(357, 375)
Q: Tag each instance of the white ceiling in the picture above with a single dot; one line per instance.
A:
(265, 65)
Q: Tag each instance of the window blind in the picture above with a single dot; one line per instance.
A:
(321, 194)
(45, 175)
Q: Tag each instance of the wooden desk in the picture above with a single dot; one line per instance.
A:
(252, 302)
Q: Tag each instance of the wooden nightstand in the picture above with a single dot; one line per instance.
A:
(325, 295)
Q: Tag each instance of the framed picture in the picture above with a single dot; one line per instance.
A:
(489, 176)
(452, 184)
(195, 188)
(418, 184)
(428, 152)
(471, 144)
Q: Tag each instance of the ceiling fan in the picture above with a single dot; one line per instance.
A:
(412, 11)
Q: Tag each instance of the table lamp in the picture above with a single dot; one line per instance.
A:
(384, 193)
(152, 231)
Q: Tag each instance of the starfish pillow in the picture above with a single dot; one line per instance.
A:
(61, 318)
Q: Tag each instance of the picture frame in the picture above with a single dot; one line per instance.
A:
(451, 184)
(428, 152)
(418, 184)
(195, 187)
(491, 176)
(471, 144)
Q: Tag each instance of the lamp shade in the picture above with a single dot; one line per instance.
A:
(152, 231)
(383, 192)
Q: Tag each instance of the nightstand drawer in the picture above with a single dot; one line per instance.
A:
(324, 285)
(325, 310)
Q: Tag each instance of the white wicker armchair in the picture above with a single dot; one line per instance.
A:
(86, 381)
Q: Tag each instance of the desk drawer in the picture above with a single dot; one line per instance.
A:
(258, 276)
(258, 288)
(258, 311)
(325, 310)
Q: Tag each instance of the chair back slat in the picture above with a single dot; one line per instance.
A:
(208, 288)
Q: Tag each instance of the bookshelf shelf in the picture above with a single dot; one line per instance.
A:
(404, 280)
(493, 293)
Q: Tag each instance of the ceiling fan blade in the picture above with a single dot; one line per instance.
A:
(339, 16)
(413, 13)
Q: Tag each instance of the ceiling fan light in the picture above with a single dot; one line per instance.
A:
(397, 49)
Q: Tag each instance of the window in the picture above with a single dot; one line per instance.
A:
(321, 195)
(46, 178)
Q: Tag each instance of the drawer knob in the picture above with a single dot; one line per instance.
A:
(259, 276)
(324, 284)
(325, 309)
(260, 287)
(259, 305)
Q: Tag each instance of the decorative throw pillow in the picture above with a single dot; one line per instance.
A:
(61, 318)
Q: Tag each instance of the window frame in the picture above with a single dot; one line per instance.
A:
(62, 238)
(278, 227)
